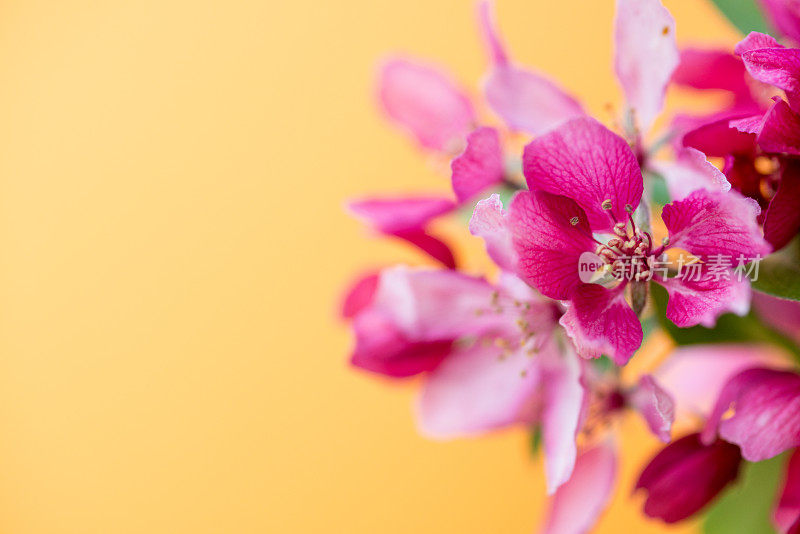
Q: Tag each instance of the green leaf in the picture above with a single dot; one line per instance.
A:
(779, 273)
(747, 506)
(744, 14)
(730, 328)
(535, 440)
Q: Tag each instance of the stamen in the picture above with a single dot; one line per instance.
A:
(606, 204)
(574, 221)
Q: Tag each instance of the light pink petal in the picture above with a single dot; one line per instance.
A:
(690, 171)
(784, 15)
(787, 511)
(748, 125)
(646, 55)
(754, 41)
(708, 223)
(585, 161)
(656, 406)
(766, 413)
(430, 305)
(686, 475)
(562, 414)
(577, 505)
(390, 215)
(600, 321)
(695, 374)
(477, 389)
(382, 348)
(359, 295)
(490, 222)
(480, 166)
(782, 220)
(780, 130)
(525, 100)
(702, 300)
(547, 244)
(426, 102)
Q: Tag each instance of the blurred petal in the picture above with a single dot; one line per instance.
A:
(433, 246)
(392, 215)
(490, 222)
(780, 130)
(719, 138)
(690, 171)
(646, 55)
(359, 295)
(787, 511)
(577, 505)
(784, 15)
(686, 475)
(480, 166)
(766, 416)
(656, 406)
(782, 220)
(426, 102)
(713, 69)
(585, 161)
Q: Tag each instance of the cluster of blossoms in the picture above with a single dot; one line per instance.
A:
(579, 250)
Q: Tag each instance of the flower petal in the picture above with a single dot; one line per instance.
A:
(780, 130)
(476, 389)
(656, 406)
(766, 417)
(433, 246)
(587, 162)
(784, 15)
(490, 222)
(645, 57)
(480, 166)
(787, 511)
(779, 67)
(719, 138)
(755, 41)
(525, 100)
(392, 215)
(782, 220)
(713, 69)
(690, 171)
(599, 321)
(686, 475)
(695, 374)
(359, 295)
(710, 223)
(702, 300)
(562, 414)
(547, 244)
(577, 505)
(426, 102)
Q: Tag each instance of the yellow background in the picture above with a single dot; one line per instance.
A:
(172, 248)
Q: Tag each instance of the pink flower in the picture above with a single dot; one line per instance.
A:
(584, 179)
(787, 510)
(766, 416)
(686, 475)
(784, 16)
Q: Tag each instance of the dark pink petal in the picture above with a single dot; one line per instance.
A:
(645, 57)
(562, 414)
(600, 321)
(480, 166)
(708, 223)
(780, 130)
(766, 413)
(656, 406)
(476, 389)
(713, 69)
(695, 374)
(525, 100)
(490, 222)
(784, 15)
(755, 41)
(546, 242)
(382, 348)
(433, 246)
(782, 220)
(702, 301)
(686, 475)
(787, 511)
(719, 138)
(690, 171)
(359, 295)
(392, 215)
(426, 102)
(589, 163)
(578, 504)
(779, 67)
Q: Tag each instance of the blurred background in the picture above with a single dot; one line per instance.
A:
(173, 249)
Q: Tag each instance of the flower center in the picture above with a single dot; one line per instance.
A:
(629, 254)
